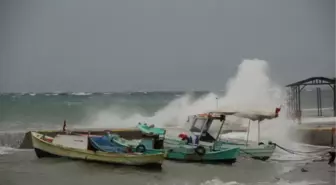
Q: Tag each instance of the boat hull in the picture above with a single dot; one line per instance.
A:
(260, 152)
(42, 154)
(223, 156)
(46, 149)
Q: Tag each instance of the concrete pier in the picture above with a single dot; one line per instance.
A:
(316, 133)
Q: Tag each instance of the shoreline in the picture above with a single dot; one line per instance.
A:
(315, 172)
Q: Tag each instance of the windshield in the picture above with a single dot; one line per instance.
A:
(216, 121)
(215, 126)
(199, 123)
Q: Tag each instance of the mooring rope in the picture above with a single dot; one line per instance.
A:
(301, 152)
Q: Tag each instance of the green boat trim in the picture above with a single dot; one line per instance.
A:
(151, 130)
(124, 142)
(189, 155)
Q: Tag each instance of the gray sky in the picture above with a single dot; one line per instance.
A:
(86, 45)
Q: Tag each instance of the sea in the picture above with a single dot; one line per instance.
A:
(25, 111)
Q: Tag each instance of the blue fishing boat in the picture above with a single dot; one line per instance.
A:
(114, 143)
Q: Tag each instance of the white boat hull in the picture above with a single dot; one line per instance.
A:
(47, 149)
(262, 153)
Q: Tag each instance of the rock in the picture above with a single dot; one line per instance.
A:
(304, 170)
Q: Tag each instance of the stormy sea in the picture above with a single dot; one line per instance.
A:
(251, 88)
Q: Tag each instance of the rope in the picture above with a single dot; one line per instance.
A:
(318, 153)
(301, 152)
(287, 150)
(295, 152)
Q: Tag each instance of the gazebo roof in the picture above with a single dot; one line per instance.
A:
(314, 81)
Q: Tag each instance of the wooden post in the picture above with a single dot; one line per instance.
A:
(64, 126)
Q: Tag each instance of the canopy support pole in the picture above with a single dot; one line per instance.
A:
(258, 131)
(248, 132)
(219, 132)
(202, 130)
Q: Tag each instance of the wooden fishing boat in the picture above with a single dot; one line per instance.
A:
(114, 143)
(80, 147)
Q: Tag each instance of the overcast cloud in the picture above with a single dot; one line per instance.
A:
(102, 45)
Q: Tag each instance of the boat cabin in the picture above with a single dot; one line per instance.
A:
(200, 125)
(152, 141)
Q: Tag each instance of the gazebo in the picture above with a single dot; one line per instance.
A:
(294, 93)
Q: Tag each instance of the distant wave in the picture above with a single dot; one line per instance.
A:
(6, 150)
(81, 94)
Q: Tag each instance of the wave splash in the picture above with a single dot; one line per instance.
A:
(250, 89)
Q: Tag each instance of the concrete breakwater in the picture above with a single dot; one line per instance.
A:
(316, 134)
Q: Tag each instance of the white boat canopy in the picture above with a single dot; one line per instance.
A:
(252, 115)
